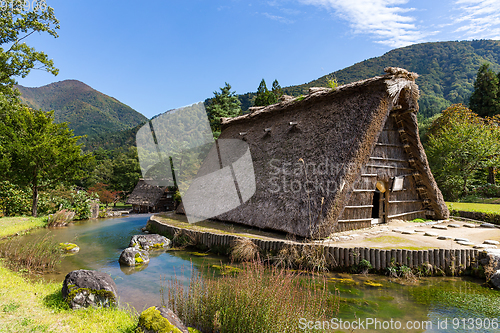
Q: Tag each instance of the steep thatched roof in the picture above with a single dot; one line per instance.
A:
(145, 194)
(333, 129)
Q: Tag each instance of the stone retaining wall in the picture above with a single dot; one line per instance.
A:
(450, 261)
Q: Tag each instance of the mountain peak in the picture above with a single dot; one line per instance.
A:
(87, 110)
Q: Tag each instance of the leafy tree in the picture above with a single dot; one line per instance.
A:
(460, 143)
(105, 196)
(264, 96)
(18, 59)
(41, 154)
(126, 171)
(485, 99)
(223, 104)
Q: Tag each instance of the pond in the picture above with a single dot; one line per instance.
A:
(440, 300)
(101, 243)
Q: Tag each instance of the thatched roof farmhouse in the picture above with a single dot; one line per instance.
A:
(337, 159)
(147, 198)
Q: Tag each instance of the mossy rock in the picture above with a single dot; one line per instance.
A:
(69, 247)
(226, 269)
(84, 288)
(373, 283)
(149, 242)
(133, 256)
(160, 320)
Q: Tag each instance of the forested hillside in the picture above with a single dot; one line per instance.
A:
(88, 111)
(447, 71)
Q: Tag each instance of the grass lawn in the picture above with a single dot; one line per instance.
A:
(33, 305)
(474, 207)
(27, 306)
(13, 225)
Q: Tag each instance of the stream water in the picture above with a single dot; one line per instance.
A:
(446, 302)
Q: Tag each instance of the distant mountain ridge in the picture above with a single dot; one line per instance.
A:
(447, 71)
(88, 111)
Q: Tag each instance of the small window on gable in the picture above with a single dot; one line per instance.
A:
(397, 184)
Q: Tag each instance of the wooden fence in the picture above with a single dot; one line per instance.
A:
(449, 261)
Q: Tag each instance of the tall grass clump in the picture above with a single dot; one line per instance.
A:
(38, 256)
(258, 299)
(244, 250)
(61, 218)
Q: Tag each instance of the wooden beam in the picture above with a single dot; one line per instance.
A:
(387, 167)
(358, 220)
(405, 201)
(354, 207)
(389, 145)
(369, 175)
(407, 213)
(387, 159)
(360, 190)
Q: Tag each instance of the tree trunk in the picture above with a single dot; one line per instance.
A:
(34, 205)
(491, 175)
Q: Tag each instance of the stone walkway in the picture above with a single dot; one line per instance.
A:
(449, 234)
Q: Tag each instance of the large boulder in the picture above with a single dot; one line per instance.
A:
(84, 288)
(149, 242)
(491, 263)
(495, 279)
(159, 319)
(133, 256)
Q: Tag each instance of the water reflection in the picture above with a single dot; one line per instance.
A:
(102, 241)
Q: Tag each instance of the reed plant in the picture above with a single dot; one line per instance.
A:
(38, 256)
(258, 299)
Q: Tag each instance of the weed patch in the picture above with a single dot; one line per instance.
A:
(258, 299)
(38, 256)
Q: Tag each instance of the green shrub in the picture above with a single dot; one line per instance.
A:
(77, 201)
(257, 299)
(14, 200)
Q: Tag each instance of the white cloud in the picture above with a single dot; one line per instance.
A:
(280, 19)
(387, 20)
(478, 18)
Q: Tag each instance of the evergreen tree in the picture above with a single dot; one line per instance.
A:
(485, 99)
(224, 104)
(277, 90)
(264, 96)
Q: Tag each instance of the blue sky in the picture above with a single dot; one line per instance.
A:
(159, 55)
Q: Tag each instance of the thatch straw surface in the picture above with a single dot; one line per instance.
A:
(307, 165)
(145, 194)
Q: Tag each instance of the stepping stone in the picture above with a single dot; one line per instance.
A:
(344, 238)
(419, 230)
(444, 237)
(397, 230)
(356, 235)
(491, 242)
(430, 234)
(487, 225)
(454, 225)
(440, 227)
(485, 246)
(408, 232)
(430, 223)
(465, 243)
(470, 225)
(461, 240)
